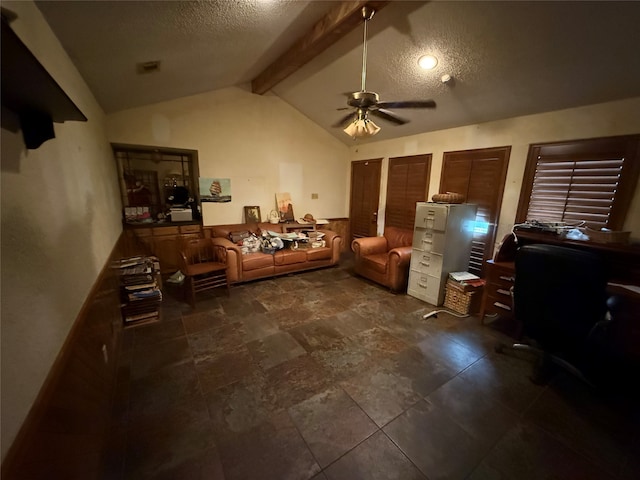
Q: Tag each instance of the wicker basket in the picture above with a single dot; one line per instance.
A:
(449, 197)
(460, 298)
(599, 236)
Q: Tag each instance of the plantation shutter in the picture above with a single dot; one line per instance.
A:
(406, 185)
(480, 176)
(591, 181)
(575, 190)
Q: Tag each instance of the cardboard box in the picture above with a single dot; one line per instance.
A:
(181, 215)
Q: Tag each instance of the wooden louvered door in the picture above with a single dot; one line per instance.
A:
(480, 176)
(406, 185)
(365, 193)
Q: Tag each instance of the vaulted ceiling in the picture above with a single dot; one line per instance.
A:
(505, 58)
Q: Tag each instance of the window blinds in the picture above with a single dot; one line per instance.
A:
(574, 190)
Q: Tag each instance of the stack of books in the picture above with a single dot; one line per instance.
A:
(466, 279)
(140, 292)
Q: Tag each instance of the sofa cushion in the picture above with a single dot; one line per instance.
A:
(376, 262)
(289, 257)
(254, 261)
(320, 253)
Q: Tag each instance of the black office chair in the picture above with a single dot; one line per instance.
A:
(560, 298)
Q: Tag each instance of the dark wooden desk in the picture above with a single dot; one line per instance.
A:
(623, 260)
(624, 268)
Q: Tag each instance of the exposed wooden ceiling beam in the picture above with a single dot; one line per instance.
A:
(343, 18)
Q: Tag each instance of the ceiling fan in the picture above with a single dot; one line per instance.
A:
(357, 123)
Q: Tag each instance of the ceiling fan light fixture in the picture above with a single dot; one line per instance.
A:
(361, 127)
(427, 62)
(365, 102)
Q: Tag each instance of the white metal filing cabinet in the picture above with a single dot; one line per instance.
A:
(441, 244)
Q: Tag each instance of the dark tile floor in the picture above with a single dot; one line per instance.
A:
(323, 375)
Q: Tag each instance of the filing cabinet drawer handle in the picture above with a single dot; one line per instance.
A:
(422, 285)
(503, 291)
(425, 264)
(508, 279)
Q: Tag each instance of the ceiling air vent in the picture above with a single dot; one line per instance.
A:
(148, 67)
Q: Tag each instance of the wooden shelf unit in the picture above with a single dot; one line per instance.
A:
(140, 291)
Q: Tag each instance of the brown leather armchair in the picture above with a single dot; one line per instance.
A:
(385, 259)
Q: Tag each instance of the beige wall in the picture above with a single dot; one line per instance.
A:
(60, 203)
(259, 142)
(607, 119)
(60, 222)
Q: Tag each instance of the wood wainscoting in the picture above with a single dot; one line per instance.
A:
(67, 429)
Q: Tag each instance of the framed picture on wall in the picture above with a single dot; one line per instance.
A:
(252, 214)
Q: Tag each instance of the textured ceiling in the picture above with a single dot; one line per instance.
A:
(506, 58)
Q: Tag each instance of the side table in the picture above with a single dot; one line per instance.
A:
(496, 297)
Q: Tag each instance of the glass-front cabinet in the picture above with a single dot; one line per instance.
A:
(157, 183)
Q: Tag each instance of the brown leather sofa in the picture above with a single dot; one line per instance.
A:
(251, 266)
(385, 259)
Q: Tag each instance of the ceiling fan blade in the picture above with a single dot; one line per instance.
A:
(344, 120)
(386, 115)
(408, 104)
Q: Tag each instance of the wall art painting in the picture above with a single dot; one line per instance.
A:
(285, 206)
(252, 214)
(215, 189)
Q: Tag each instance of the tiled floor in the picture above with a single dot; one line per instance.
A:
(323, 375)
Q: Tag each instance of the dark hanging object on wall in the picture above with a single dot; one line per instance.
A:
(37, 128)
(29, 92)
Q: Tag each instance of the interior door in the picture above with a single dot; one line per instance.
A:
(365, 194)
(479, 175)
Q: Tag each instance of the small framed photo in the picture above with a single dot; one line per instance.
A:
(252, 214)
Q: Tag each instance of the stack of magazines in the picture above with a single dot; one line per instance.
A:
(140, 292)
(466, 279)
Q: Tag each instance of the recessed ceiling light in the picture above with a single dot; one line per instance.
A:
(428, 62)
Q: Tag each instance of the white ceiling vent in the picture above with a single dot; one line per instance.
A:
(148, 67)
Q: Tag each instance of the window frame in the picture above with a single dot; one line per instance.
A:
(624, 146)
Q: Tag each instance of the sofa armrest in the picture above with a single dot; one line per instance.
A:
(234, 258)
(334, 241)
(398, 268)
(369, 246)
(400, 256)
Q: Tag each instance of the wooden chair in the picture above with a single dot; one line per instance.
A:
(204, 266)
